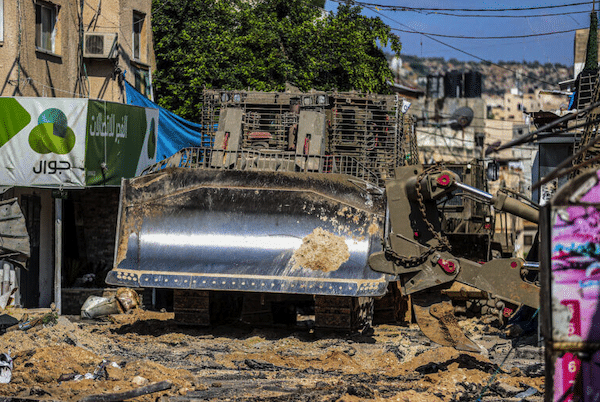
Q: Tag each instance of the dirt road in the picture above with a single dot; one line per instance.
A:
(240, 363)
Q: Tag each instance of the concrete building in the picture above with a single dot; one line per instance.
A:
(75, 49)
(440, 135)
(516, 106)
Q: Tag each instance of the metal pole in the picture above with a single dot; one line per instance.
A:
(477, 193)
(58, 206)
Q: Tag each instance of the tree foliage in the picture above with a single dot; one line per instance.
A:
(262, 45)
(591, 53)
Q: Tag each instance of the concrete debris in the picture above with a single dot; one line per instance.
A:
(97, 306)
(506, 390)
(128, 298)
(6, 368)
(139, 381)
(99, 373)
(526, 394)
(123, 301)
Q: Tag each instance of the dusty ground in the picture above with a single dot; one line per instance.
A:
(241, 363)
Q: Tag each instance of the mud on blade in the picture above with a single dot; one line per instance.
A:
(249, 231)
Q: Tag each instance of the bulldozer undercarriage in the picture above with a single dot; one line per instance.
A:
(348, 314)
(436, 313)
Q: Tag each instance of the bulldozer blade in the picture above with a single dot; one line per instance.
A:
(251, 231)
(436, 320)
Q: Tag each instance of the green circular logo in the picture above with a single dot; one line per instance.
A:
(52, 134)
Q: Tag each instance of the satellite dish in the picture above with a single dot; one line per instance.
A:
(461, 118)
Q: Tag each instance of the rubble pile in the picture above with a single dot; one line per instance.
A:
(148, 354)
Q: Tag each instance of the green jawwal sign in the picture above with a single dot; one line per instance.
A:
(121, 141)
(42, 141)
(64, 142)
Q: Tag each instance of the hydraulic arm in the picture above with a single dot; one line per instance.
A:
(418, 253)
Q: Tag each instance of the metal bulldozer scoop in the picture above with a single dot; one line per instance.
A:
(246, 231)
(436, 319)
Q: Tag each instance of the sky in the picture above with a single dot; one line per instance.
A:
(555, 48)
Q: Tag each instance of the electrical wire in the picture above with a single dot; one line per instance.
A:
(408, 8)
(532, 136)
(454, 47)
(501, 16)
(447, 137)
(562, 170)
(489, 37)
(53, 88)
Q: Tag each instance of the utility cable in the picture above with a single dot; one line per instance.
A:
(500, 16)
(558, 171)
(453, 47)
(529, 137)
(489, 37)
(493, 377)
(407, 8)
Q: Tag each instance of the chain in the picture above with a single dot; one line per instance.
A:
(443, 243)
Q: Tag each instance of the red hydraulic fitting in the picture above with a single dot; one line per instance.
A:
(447, 266)
(443, 180)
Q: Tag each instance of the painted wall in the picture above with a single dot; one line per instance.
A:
(574, 309)
(64, 72)
(117, 17)
(26, 71)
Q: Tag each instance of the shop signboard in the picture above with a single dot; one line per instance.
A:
(121, 141)
(42, 141)
(65, 142)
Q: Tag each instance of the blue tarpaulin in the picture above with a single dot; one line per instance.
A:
(174, 132)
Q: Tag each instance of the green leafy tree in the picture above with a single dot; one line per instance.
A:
(262, 45)
(591, 54)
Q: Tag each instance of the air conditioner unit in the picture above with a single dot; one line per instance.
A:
(100, 45)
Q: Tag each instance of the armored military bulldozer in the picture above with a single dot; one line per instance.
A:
(304, 198)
